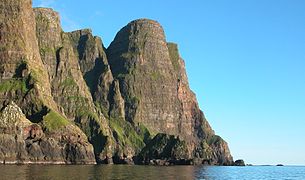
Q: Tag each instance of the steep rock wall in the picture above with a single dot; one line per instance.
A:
(131, 102)
(69, 88)
(154, 85)
(25, 80)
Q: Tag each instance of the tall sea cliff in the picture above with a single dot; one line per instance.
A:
(67, 99)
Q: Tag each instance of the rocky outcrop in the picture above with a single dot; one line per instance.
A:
(78, 102)
(25, 142)
(239, 162)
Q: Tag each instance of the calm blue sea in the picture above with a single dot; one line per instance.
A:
(70, 172)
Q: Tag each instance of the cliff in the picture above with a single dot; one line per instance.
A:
(154, 86)
(65, 98)
(38, 132)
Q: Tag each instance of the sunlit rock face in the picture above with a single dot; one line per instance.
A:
(154, 85)
(65, 98)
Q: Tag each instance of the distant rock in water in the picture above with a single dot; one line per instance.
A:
(279, 165)
(65, 98)
(239, 162)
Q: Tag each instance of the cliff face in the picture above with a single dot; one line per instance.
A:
(129, 103)
(154, 85)
(42, 134)
(72, 75)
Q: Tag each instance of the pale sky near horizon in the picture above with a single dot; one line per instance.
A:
(245, 61)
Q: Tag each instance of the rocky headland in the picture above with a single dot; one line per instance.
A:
(67, 99)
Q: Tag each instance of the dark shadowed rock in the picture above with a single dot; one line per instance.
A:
(164, 149)
(239, 162)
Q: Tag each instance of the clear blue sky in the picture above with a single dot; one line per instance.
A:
(245, 61)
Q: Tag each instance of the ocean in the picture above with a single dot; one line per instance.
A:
(71, 172)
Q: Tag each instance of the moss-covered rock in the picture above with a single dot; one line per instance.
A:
(174, 55)
(13, 85)
(54, 121)
(130, 139)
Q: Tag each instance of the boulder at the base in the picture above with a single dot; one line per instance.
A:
(239, 162)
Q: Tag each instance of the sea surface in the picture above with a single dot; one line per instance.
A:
(71, 172)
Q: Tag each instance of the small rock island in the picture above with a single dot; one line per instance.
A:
(239, 162)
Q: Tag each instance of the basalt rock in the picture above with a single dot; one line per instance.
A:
(76, 100)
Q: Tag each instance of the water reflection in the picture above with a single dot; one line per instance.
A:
(33, 172)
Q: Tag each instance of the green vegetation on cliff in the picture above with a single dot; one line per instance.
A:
(126, 134)
(174, 54)
(155, 76)
(13, 85)
(214, 139)
(69, 82)
(54, 121)
(164, 146)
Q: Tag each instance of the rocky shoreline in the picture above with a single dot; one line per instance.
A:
(154, 162)
(43, 163)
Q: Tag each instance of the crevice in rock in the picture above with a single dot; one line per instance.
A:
(91, 77)
(37, 115)
(57, 59)
(81, 45)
